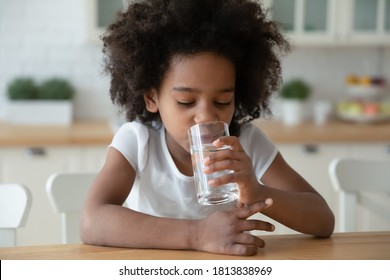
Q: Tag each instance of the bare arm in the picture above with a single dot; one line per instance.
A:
(105, 222)
(296, 203)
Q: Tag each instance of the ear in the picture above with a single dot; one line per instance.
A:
(151, 101)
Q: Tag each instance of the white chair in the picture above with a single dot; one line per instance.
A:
(66, 193)
(354, 178)
(15, 205)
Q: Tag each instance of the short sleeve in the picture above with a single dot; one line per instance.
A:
(258, 147)
(131, 141)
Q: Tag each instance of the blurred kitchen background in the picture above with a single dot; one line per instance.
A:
(333, 40)
(44, 38)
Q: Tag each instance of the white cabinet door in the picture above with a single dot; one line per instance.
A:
(93, 158)
(101, 13)
(306, 22)
(32, 167)
(367, 21)
(371, 150)
(331, 22)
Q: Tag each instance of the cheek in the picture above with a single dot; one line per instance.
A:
(229, 114)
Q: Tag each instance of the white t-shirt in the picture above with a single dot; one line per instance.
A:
(160, 189)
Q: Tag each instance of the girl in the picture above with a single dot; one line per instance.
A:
(175, 63)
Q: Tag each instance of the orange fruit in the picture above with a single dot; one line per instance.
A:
(365, 81)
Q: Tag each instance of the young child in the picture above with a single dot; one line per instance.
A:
(175, 63)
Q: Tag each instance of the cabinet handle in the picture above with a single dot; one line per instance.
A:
(310, 149)
(36, 152)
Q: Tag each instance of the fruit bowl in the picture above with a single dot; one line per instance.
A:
(363, 112)
(362, 118)
(365, 87)
(364, 91)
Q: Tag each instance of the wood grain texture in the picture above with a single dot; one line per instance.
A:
(341, 246)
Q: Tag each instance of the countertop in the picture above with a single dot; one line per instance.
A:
(101, 133)
(79, 133)
(334, 131)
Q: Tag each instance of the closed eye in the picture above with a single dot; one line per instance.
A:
(185, 103)
(223, 103)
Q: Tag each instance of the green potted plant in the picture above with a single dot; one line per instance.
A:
(47, 103)
(56, 89)
(22, 88)
(295, 89)
(293, 96)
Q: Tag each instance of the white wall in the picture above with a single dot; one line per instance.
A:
(45, 38)
(326, 68)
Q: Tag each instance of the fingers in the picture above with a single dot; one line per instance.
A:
(242, 250)
(235, 160)
(222, 160)
(246, 245)
(248, 210)
(226, 160)
(249, 225)
(249, 239)
(222, 180)
(232, 141)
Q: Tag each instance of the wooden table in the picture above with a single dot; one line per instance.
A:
(341, 246)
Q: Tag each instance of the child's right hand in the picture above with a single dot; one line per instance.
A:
(226, 232)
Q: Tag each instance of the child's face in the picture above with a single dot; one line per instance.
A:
(197, 88)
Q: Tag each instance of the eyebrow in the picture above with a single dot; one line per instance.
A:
(195, 90)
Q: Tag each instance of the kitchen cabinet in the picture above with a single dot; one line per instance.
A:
(101, 13)
(371, 150)
(32, 167)
(306, 22)
(332, 22)
(93, 158)
(366, 21)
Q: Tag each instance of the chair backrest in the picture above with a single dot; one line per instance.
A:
(66, 193)
(15, 205)
(352, 177)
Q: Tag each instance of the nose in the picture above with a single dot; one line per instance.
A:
(205, 113)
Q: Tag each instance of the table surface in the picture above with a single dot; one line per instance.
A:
(341, 246)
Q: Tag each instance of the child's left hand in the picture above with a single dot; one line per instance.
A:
(233, 159)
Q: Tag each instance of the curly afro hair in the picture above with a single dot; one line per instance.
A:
(140, 45)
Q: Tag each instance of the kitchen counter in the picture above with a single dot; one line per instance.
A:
(332, 132)
(100, 133)
(79, 133)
